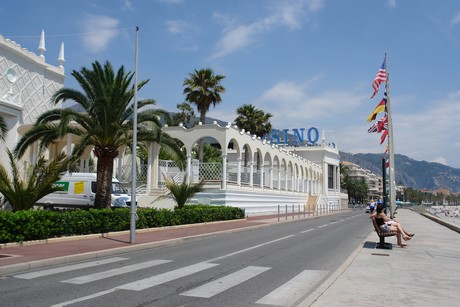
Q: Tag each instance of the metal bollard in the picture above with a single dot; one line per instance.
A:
(278, 213)
(286, 213)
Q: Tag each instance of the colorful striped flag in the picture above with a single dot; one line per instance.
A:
(381, 107)
(380, 77)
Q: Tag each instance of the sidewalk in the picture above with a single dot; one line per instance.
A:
(425, 273)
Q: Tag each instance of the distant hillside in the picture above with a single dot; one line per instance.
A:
(411, 173)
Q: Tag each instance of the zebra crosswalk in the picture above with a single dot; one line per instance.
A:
(284, 295)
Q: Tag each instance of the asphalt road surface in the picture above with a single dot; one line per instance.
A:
(278, 265)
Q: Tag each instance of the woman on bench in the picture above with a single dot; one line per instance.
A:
(386, 224)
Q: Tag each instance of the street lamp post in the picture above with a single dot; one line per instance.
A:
(132, 237)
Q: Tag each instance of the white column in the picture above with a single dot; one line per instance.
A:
(238, 175)
(271, 177)
(279, 178)
(155, 165)
(286, 187)
(189, 167)
(251, 173)
(262, 176)
(69, 145)
(149, 166)
(224, 172)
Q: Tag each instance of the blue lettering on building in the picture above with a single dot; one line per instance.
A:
(296, 138)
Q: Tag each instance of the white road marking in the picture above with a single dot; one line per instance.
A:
(149, 282)
(294, 289)
(68, 268)
(114, 272)
(247, 249)
(220, 285)
(323, 226)
(85, 298)
(311, 229)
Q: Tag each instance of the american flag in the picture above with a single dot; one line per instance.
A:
(380, 77)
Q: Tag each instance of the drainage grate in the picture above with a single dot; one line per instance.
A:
(378, 254)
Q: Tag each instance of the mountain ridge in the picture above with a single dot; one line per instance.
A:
(419, 175)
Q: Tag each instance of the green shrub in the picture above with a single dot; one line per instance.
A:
(31, 225)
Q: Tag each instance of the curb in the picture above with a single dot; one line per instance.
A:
(441, 221)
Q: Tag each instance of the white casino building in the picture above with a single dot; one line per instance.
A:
(254, 174)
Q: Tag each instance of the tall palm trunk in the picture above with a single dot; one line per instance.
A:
(201, 142)
(105, 157)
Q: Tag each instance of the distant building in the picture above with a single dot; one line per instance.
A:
(374, 182)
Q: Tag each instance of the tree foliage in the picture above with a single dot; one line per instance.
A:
(3, 130)
(22, 192)
(106, 124)
(203, 88)
(181, 192)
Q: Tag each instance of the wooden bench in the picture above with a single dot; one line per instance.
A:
(382, 234)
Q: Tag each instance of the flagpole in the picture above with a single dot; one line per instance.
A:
(132, 233)
(391, 153)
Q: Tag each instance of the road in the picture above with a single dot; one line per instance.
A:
(278, 265)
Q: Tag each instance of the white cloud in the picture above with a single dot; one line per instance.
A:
(287, 13)
(391, 3)
(295, 103)
(99, 31)
(456, 19)
(127, 5)
(440, 160)
(177, 26)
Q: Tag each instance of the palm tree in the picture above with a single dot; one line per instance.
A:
(203, 88)
(23, 193)
(3, 130)
(181, 192)
(106, 123)
(254, 120)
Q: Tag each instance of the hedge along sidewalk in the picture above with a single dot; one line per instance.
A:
(40, 225)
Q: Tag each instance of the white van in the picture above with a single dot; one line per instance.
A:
(79, 191)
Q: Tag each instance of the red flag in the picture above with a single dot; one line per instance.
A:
(383, 137)
(382, 124)
(380, 77)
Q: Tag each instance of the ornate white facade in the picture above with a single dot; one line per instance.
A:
(26, 84)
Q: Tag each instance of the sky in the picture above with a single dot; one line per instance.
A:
(310, 63)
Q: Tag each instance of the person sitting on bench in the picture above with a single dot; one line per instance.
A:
(386, 224)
